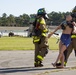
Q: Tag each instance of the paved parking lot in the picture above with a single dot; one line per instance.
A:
(21, 63)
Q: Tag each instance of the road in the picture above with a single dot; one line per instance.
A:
(21, 63)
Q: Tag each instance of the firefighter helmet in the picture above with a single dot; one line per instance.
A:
(42, 12)
(74, 12)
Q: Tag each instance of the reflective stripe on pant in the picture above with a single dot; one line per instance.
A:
(41, 49)
(39, 57)
(40, 52)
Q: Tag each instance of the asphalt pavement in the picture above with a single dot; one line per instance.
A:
(22, 63)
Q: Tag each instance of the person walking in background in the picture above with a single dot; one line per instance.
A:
(73, 37)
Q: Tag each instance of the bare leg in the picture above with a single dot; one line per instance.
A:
(60, 45)
(61, 55)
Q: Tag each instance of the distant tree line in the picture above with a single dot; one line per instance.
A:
(55, 18)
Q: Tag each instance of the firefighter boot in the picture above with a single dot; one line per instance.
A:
(38, 64)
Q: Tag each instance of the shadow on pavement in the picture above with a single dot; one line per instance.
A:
(23, 69)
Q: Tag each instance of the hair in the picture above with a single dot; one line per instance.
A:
(68, 15)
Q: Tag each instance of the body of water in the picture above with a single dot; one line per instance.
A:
(20, 33)
(23, 33)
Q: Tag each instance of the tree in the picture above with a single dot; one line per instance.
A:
(22, 20)
(26, 19)
(55, 18)
(11, 20)
(3, 20)
(32, 18)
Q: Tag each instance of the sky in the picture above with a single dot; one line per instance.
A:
(19, 7)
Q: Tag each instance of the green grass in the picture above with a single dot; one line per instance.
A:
(21, 43)
(52, 43)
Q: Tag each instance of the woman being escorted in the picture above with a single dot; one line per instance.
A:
(65, 40)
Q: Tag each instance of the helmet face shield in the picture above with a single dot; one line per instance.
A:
(46, 16)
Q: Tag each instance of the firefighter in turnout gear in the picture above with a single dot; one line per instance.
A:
(73, 37)
(40, 39)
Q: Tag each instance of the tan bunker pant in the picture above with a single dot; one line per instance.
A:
(70, 48)
(41, 49)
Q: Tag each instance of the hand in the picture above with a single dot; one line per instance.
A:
(49, 35)
(74, 24)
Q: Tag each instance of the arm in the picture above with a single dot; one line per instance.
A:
(59, 27)
(43, 25)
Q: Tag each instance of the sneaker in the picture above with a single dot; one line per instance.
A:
(58, 64)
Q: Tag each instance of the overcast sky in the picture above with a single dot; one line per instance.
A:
(18, 7)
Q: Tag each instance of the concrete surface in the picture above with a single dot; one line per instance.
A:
(21, 63)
